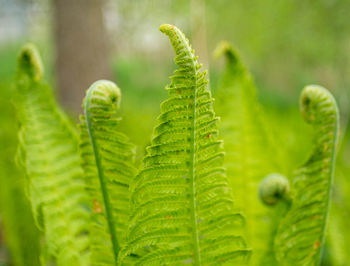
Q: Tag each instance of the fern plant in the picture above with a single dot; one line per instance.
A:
(180, 207)
(298, 237)
(301, 233)
(22, 236)
(107, 159)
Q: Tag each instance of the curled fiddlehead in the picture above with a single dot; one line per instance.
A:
(301, 232)
(273, 188)
(107, 159)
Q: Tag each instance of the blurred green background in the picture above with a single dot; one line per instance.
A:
(287, 44)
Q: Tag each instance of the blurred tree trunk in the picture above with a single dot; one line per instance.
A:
(81, 48)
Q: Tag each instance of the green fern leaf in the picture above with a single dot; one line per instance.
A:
(107, 157)
(301, 232)
(48, 150)
(250, 151)
(182, 206)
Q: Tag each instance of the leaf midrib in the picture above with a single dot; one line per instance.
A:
(197, 256)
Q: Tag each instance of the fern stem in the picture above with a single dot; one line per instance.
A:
(102, 178)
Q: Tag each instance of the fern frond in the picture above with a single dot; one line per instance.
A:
(301, 232)
(250, 153)
(107, 159)
(48, 150)
(182, 207)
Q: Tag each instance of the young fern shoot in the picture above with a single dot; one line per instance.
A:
(301, 232)
(182, 208)
(48, 150)
(274, 188)
(107, 159)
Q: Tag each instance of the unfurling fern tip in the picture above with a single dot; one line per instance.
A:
(274, 188)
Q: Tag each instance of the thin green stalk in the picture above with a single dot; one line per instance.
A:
(102, 179)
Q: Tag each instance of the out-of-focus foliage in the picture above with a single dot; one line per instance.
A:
(289, 43)
(21, 235)
(48, 152)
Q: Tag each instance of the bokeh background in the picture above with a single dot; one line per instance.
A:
(286, 44)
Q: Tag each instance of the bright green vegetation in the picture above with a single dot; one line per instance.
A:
(20, 232)
(182, 205)
(301, 233)
(250, 154)
(107, 159)
(48, 150)
(20, 236)
(206, 193)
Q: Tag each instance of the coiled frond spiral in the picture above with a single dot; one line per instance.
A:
(273, 188)
(107, 159)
